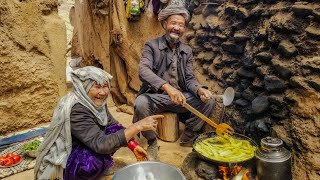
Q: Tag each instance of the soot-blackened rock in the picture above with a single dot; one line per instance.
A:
(248, 95)
(232, 47)
(261, 125)
(206, 170)
(302, 9)
(248, 63)
(229, 60)
(264, 56)
(274, 84)
(298, 82)
(316, 14)
(281, 114)
(210, 9)
(260, 104)
(263, 70)
(283, 69)
(315, 83)
(287, 48)
(244, 84)
(312, 63)
(243, 72)
(313, 31)
(242, 102)
(257, 84)
(276, 99)
(239, 37)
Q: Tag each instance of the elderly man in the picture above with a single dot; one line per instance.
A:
(168, 79)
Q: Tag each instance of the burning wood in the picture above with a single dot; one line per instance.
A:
(224, 172)
(234, 173)
(246, 175)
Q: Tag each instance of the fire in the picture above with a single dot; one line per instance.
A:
(235, 170)
(226, 172)
(245, 175)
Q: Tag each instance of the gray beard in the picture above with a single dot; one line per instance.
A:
(171, 40)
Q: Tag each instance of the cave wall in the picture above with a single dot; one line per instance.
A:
(268, 51)
(32, 63)
(103, 36)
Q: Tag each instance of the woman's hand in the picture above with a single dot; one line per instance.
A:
(204, 94)
(140, 154)
(148, 123)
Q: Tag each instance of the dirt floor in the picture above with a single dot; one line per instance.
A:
(169, 152)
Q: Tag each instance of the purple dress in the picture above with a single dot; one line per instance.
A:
(83, 163)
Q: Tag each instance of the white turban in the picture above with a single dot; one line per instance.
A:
(173, 10)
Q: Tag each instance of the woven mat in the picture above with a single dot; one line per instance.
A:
(25, 164)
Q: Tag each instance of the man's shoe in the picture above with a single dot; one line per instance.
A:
(186, 141)
(152, 150)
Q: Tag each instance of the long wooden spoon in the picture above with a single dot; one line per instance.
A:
(221, 128)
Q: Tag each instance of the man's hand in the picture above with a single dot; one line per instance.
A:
(140, 154)
(148, 123)
(176, 96)
(204, 94)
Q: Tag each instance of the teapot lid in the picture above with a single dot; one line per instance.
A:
(272, 150)
(270, 143)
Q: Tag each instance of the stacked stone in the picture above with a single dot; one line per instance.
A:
(262, 49)
(269, 51)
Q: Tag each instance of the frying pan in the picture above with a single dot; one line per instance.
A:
(213, 134)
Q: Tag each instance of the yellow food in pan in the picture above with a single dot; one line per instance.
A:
(226, 149)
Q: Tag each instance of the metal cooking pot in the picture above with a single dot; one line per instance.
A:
(273, 160)
(212, 134)
(149, 170)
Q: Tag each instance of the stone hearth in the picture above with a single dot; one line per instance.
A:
(195, 168)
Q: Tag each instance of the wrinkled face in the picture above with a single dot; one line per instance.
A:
(175, 26)
(98, 93)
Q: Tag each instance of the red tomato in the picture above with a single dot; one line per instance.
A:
(9, 155)
(16, 158)
(9, 161)
(2, 158)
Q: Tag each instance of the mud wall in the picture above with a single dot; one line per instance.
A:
(32, 64)
(104, 37)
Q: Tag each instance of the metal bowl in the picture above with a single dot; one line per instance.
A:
(31, 153)
(149, 170)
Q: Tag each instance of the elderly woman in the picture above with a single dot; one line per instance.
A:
(83, 135)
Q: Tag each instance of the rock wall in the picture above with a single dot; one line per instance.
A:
(32, 63)
(269, 52)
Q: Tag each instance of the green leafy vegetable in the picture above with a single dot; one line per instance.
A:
(32, 145)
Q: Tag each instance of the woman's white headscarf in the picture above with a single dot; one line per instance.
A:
(83, 79)
(57, 145)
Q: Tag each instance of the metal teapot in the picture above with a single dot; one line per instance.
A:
(273, 160)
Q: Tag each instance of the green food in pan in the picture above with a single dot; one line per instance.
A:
(226, 149)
